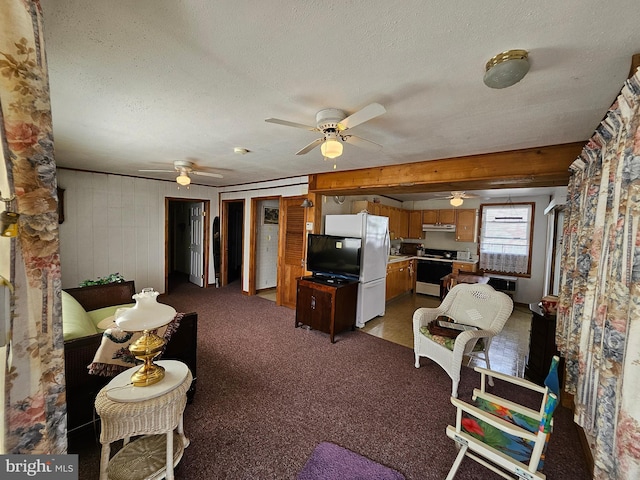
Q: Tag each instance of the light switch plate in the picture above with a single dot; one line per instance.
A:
(309, 226)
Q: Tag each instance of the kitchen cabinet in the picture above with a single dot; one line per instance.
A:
(466, 225)
(415, 224)
(398, 222)
(439, 217)
(463, 267)
(359, 205)
(394, 221)
(329, 308)
(400, 279)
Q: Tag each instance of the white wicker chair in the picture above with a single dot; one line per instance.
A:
(478, 305)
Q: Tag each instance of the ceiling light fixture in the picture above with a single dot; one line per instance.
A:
(456, 201)
(506, 69)
(331, 149)
(183, 179)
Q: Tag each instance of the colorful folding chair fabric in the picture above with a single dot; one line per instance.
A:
(506, 437)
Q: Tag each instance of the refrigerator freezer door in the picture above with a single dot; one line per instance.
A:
(344, 225)
(374, 232)
(371, 301)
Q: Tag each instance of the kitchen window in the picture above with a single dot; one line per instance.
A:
(506, 232)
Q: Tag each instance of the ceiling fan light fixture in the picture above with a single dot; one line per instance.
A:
(331, 148)
(506, 68)
(183, 179)
(456, 201)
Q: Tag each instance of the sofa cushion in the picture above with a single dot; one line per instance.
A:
(101, 313)
(76, 322)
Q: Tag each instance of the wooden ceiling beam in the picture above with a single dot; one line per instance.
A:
(532, 167)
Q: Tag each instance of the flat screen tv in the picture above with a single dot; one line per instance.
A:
(333, 256)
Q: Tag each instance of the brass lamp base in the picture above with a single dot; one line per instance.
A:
(146, 348)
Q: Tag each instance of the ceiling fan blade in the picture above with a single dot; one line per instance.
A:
(361, 142)
(367, 113)
(206, 174)
(310, 147)
(158, 171)
(286, 123)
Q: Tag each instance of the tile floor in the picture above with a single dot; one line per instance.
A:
(508, 350)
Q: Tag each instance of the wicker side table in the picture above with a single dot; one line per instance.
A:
(155, 412)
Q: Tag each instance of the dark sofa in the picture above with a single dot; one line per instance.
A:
(82, 387)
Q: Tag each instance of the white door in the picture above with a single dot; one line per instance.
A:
(196, 258)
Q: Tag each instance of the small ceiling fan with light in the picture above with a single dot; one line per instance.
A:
(184, 168)
(457, 197)
(333, 124)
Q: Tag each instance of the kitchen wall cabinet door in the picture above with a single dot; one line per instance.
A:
(439, 217)
(466, 225)
(403, 230)
(359, 205)
(415, 224)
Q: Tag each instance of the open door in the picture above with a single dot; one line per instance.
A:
(291, 249)
(196, 247)
(186, 242)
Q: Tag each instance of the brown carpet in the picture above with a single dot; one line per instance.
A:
(269, 393)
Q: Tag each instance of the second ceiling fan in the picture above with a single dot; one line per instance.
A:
(332, 123)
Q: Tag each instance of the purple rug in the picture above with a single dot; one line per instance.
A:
(332, 462)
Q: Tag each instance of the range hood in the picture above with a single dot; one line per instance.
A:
(438, 227)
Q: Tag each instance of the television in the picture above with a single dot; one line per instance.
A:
(333, 256)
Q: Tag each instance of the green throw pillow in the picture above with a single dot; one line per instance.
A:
(76, 322)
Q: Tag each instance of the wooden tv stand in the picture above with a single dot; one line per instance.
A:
(326, 305)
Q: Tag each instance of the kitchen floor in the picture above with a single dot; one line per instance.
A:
(508, 350)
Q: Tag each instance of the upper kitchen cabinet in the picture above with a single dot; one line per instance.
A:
(359, 205)
(403, 222)
(398, 221)
(439, 217)
(415, 224)
(466, 225)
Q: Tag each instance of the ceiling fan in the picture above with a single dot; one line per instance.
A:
(184, 168)
(457, 197)
(332, 123)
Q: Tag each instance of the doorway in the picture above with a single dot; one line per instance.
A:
(232, 228)
(186, 255)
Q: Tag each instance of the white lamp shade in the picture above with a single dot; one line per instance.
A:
(456, 201)
(331, 148)
(183, 179)
(146, 314)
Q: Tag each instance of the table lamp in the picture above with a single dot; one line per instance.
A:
(146, 315)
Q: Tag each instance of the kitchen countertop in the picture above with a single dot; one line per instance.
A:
(402, 258)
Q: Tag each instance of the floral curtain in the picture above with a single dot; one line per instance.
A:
(598, 330)
(35, 403)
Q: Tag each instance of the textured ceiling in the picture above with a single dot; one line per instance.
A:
(140, 84)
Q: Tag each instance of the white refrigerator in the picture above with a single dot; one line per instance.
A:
(374, 232)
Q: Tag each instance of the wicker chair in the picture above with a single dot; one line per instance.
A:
(478, 306)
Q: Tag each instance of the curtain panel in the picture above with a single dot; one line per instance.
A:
(35, 402)
(598, 321)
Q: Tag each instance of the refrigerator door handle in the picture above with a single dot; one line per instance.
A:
(387, 242)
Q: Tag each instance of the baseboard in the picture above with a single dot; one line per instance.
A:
(567, 400)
